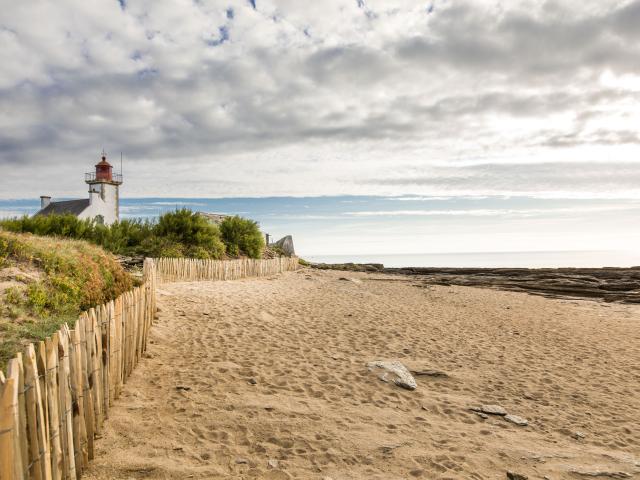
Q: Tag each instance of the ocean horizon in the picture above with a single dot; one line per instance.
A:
(423, 231)
(544, 259)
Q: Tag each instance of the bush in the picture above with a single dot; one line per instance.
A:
(175, 234)
(192, 231)
(54, 225)
(242, 235)
(124, 237)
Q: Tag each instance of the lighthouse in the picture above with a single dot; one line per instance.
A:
(103, 204)
(104, 194)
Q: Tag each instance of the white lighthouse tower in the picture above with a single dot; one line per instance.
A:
(104, 195)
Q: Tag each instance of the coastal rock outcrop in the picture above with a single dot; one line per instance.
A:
(285, 244)
(610, 284)
(350, 267)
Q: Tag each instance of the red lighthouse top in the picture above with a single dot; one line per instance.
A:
(104, 170)
(103, 173)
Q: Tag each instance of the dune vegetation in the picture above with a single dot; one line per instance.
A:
(53, 267)
(180, 233)
(46, 281)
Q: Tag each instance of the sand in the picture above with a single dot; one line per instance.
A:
(266, 378)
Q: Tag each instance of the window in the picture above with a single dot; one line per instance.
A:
(99, 220)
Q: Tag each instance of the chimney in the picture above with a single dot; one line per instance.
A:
(44, 201)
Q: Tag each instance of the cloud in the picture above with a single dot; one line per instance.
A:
(363, 95)
(538, 179)
(502, 212)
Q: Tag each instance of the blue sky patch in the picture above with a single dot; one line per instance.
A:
(223, 36)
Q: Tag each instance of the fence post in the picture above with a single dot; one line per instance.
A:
(39, 449)
(52, 398)
(15, 370)
(10, 458)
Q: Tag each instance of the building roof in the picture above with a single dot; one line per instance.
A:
(103, 162)
(74, 207)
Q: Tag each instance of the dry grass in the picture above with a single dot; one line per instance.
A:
(47, 281)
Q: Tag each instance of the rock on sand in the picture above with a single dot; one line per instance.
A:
(401, 375)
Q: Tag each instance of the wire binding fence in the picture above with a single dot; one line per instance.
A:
(56, 395)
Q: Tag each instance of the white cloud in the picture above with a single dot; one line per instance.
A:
(321, 97)
(502, 212)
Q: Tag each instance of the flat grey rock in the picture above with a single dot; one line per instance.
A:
(493, 410)
(522, 422)
(490, 409)
(395, 372)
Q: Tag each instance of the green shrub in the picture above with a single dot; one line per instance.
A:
(52, 225)
(38, 298)
(198, 252)
(242, 235)
(175, 234)
(13, 295)
(122, 237)
(192, 231)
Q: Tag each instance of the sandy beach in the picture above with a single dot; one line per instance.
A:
(267, 378)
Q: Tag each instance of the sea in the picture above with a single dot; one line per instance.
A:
(424, 231)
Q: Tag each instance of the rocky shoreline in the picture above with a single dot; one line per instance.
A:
(607, 284)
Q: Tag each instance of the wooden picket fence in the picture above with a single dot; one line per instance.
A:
(190, 269)
(56, 396)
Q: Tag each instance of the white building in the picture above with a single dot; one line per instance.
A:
(103, 204)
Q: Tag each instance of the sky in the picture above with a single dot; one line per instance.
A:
(410, 230)
(256, 98)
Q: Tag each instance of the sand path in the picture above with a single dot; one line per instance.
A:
(266, 378)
